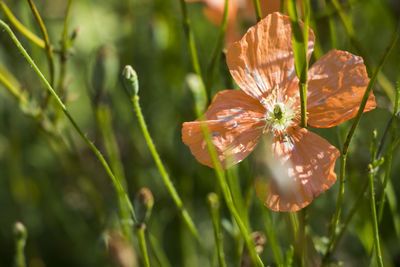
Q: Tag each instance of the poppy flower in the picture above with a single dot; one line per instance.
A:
(214, 10)
(262, 64)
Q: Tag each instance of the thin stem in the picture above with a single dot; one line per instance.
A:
(222, 179)
(104, 123)
(300, 49)
(237, 194)
(48, 48)
(303, 78)
(227, 194)
(140, 230)
(271, 237)
(192, 47)
(14, 90)
(164, 175)
(64, 48)
(347, 220)
(382, 80)
(20, 27)
(257, 9)
(390, 152)
(214, 206)
(349, 137)
(116, 183)
(158, 251)
(367, 92)
(217, 50)
(338, 210)
(374, 217)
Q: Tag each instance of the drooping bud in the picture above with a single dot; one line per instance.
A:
(145, 202)
(130, 81)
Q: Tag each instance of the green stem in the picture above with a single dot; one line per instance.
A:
(257, 9)
(222, 181)
(338, 210)
(382, 79)
(164, 175)
(64, 48)
(103, 116)
(14, 90)
(390, 152)
(120, 190)
(217, 50)
(300, 50)
(213, 204)
(158, 251)
(368, 90)
(347, 220)
(48, 48)
(227, 194)
(374, 217)
(349, 137)
(140, 228)
(303, 78)
(20, 27)
(237, 194)
(192, 47)
(271, 237)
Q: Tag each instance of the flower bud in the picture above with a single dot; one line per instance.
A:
(144, 204)
(130, 81)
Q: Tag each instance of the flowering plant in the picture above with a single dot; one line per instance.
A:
(262, 64)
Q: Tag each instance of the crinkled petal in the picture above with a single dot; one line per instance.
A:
(235, 122)
(337, 82)
(302, 168)
(263, 59)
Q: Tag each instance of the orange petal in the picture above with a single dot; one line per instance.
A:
(263, 58)
(235, 122)
(303, 168)
(336, 85)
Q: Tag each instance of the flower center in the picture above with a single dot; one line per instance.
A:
(277, 112)
(281, 113)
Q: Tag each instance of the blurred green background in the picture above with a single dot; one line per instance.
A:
(57, 188)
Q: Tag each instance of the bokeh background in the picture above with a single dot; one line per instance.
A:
(56, 187)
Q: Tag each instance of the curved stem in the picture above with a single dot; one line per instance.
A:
(120, 190)
(214, 206)
(140, 230)
(164, 175)
(227, 194)
(63, 52)
(48, 48)
(104, 124)
(367, 92)
(346, 144)
(390, 152)
(374, 217)
(20, 27)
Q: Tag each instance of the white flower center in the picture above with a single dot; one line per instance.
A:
(281, 113)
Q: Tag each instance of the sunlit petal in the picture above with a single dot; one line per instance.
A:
(235, 122)
(263, 59)
(336, 85)
(302, 168)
